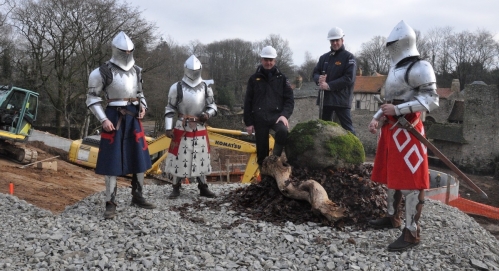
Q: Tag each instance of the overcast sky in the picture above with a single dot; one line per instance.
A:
(305, 23)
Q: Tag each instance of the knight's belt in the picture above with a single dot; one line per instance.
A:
(131, 100)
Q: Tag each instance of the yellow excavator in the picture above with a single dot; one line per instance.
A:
(18, 109)
(84, 151)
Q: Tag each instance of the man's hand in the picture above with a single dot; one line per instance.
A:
(322, 78)
(203, 117)
(169, 133)
(322, 82)
(388, 109)
(324, 86)
(108, 126)
(373, 125)
(250, 129)
(142, 113)
(284, 121)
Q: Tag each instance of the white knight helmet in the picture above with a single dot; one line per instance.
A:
(401, 42)
(192, 71)
(120, 46)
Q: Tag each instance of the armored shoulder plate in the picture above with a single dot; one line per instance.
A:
(171, 107)
(420, 74)
(94, 100)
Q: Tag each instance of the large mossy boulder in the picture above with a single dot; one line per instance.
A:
(319, 144)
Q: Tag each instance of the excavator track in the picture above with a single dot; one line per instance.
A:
(19, 152)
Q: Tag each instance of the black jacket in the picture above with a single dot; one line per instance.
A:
(340, 67)
(267, 98)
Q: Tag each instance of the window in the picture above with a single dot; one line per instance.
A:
(357, 104)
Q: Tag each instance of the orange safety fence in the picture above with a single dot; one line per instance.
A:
(475, 208)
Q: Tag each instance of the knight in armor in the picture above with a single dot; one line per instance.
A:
(189, 153)
(123, 147)
(401, 161)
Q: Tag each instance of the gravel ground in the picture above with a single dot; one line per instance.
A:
(160, 239)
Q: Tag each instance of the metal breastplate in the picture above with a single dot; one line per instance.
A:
(124, 85)
(396, 87)
(193, 100)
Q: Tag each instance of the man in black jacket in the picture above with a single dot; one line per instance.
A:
(335, 76)
(268, 104)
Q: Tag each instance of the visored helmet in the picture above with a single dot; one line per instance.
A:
(401, 43)
(192, 71)
(122, 51)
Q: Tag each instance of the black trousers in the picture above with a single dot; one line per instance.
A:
(343, 115)
(262, 138)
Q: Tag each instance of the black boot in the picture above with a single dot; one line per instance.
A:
(414, 201)
(137, 198)
(111, 189)
(405, 241)
(141, 202)
(382, 223)
(175, 192)
(205, 192)
(390, 221)
(277, 151)
(110, 210)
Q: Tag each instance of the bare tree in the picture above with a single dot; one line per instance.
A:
(422, 45)
(231, 62)
(65, 39)
(472, 55)
(196, 48)
(374, 56)
(307, 68)
(438, 56)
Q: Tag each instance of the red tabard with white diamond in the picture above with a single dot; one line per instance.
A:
(401, 160)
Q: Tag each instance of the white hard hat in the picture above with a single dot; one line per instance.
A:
(335, 33)
(268, 52)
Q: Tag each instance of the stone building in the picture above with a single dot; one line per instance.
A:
(364, 90)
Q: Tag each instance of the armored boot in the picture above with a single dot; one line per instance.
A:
(111, 189)
(137, 187)
(392, 219)
(110, 210)
(203, 188)
(410, 237)
(277, 150)
(176, 189)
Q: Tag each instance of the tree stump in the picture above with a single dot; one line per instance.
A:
(308, 190)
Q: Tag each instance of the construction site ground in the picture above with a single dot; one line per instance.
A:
(55, 189)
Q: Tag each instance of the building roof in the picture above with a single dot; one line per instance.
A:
(369, 84)
(444, 92)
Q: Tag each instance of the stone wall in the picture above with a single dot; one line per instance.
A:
(480, 130)
(441, 114)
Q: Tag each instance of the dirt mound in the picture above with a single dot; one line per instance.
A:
(351, 189)
(48, 150)
(51, 189)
